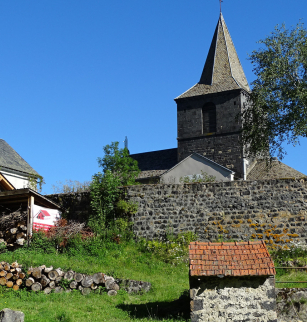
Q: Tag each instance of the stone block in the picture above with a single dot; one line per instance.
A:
(7, 315)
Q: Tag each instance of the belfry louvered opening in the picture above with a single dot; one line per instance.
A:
(209, 118)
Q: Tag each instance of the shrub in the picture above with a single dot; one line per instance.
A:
(174, 251)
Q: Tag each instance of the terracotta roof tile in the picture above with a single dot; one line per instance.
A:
(230, 259)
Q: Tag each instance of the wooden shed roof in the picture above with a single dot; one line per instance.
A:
(21, 196)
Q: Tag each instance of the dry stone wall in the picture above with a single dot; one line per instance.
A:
(272, 210)
(233, 299)
(75, 205)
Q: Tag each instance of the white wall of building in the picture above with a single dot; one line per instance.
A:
(17, 179)
(194, 165)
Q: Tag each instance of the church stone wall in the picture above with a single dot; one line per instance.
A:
(224, 150)
(222, 146)
(273, 211)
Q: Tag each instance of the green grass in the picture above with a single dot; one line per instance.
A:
(291, 276)
(168, 299)
(162, 303)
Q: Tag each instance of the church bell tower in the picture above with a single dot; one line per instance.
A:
(207, 113)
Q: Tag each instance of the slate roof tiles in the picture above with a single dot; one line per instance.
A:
(230, 259)
(10, 159)
(223, 70)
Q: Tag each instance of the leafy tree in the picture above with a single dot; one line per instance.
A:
(278, 110)
(118, 170)
(119, 163)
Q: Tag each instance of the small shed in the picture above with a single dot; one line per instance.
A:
(27, 200)
(232, 282)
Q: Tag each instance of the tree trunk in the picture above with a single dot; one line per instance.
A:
(22, 275)
(48, 269)
(36, 287)
(59, 271)
(9, 284)
(6, 266)
(78, 277)
(30, 270)
(98, 278)
(37, 272)
(44, 281)
(109, 281)
(53, 275)
(15, 287)
(58, 279)
(3, 273)
(3, 281)
(15, 265)
(73, 284)
(52, 284)
(87, 281)
(8, 276)
(19, 282)
(58, 289)
(69, 275)
(30, 281)
(47, 290)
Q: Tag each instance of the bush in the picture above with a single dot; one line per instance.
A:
(42, 244)
(174, 251)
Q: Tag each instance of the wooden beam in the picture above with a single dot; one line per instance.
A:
(5, 183)
(40, 200)
(28, 220)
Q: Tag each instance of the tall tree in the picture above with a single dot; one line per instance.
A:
(278, 110)
(118, 169)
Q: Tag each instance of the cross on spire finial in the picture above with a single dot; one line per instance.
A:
(221, 5)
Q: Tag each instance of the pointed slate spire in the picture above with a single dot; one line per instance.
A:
(223, 70)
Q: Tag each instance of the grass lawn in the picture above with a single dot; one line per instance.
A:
(168, 299)
(162, 303)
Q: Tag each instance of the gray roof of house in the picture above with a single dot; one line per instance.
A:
(153, 164)
(223, 70)
(276, 170)
(10, 159)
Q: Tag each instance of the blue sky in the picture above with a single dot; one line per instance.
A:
(76, 75)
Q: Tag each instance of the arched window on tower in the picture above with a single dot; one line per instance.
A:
(209, 118)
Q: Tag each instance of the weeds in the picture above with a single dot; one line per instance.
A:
(173, 250)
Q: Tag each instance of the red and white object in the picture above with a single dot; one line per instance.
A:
(44, 218)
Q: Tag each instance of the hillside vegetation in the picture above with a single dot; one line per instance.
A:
(163, 264)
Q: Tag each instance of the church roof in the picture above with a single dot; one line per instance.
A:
(276, 170)
(10, 159)
(223, 70)
(153, 164)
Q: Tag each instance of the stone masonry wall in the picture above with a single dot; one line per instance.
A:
(223, 146)
(225, 150)
(76, 206)
(272, 210)
(233, 299)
